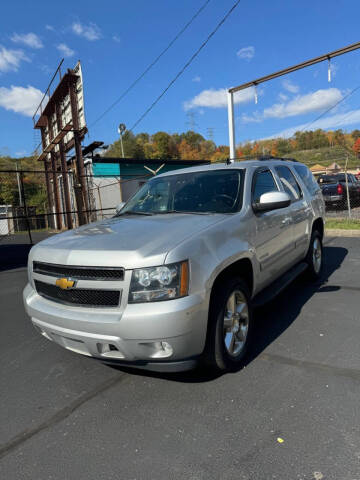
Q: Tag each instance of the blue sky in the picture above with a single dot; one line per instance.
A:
(116, 40)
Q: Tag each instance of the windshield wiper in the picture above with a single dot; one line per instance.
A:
(133, 212)
(180, 211)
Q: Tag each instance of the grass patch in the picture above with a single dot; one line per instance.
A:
(343, 224)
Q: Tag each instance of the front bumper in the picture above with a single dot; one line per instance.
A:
(163, 336)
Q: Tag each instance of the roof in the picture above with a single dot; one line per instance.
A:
(334, 166)
(317, 168)
(255, 163)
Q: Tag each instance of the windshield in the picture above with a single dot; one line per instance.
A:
(333, 178)
(217, 191)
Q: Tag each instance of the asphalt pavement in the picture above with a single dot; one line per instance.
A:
(293, 412)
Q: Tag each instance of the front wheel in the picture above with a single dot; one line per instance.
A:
(230, 325)
(314, 257)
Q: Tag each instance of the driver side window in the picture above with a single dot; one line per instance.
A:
(263, 182)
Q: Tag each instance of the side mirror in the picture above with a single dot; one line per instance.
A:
(119, 206)
(272, 201)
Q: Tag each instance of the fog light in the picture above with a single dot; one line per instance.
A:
(166, 347)
(158, 349)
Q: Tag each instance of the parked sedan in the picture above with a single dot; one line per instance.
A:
(333, 188)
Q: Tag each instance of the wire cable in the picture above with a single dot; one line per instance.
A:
(149, 67)
(186, 65)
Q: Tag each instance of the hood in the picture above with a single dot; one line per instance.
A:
(126, 241)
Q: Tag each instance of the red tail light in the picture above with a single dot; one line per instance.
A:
(340, 189)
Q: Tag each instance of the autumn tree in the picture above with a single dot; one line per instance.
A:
(356, 147)
(274, 151)
(163, 146)
(132, 149)
(355, 134)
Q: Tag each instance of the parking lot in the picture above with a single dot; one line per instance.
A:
(292, 412)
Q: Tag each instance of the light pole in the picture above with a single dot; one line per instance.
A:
(121, 130)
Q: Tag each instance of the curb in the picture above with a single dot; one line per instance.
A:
(338, 232)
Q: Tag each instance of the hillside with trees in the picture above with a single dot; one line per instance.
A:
(310, 147)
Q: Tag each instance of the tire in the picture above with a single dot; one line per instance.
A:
(226, 345)
(314, 257)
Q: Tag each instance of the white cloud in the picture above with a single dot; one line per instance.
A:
(256, 117)
(303, 104)
(90, 32)
(196, 78)
(283, 97)
(246, 53)
(20, 99)
(300, 105)
(49, 27)
(333, 121)
(116, 38)
(29, 39)
(21, 153)
(218, 98)
(10, 59)
(290, 87)
(65, 50)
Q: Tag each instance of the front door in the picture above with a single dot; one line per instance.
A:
(274, 239)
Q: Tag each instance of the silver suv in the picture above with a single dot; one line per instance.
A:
(172, 279)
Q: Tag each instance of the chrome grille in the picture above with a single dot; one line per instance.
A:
(79, 272)
(79, 296)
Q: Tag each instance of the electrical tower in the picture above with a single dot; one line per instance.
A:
(191, 123)
(210, 133)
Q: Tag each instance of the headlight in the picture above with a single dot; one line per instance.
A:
(159, 283)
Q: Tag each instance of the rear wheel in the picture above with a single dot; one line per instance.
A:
(314, 257)
(230, 325)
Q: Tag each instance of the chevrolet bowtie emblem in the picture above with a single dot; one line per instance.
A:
(65, 283)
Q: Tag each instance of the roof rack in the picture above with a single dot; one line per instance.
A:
(262, 158)
(270, 157)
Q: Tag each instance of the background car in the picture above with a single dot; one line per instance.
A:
(334, 188)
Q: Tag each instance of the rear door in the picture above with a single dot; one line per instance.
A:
(273, 240)
(300, 211)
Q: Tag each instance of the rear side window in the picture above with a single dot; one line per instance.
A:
(308, 178)
(263, 182)
(289, 182)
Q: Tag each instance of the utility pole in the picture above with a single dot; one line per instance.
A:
(18, 182)
(121, 131)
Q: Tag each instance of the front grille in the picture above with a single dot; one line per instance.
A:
(79, 296)
(79, 273)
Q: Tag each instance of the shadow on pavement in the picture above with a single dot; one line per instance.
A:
(14, 255)
(273, 319)
(270, 321)
(14, 248)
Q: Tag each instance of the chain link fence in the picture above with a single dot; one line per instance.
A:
(340, 186)
(46, 202)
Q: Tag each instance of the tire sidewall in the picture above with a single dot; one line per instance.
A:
(217, 354)
(312, 273)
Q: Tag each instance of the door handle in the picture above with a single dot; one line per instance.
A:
(286, 221)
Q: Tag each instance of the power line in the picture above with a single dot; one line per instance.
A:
(186, 65)
(137, 80)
